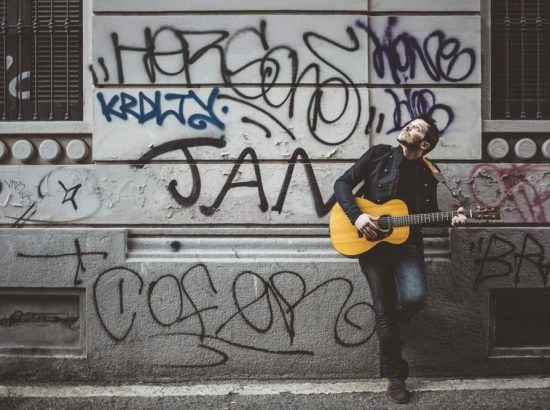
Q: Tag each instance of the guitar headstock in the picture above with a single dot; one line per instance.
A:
(484, 213)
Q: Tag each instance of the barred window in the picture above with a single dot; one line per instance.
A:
(41, 64)
(520, 37)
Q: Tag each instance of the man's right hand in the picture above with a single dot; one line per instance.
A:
(365, 223)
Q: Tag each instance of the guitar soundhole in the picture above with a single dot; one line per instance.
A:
(384, 226)
(384, 223)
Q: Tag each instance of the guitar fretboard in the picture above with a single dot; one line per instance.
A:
(422, 219)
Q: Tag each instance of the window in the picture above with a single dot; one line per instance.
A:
(41, 64)
(519, 321)
(520, 38)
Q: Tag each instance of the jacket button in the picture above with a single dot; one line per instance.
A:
(379, 185)
(425, 184)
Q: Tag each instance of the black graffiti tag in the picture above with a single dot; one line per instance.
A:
(78, 253)
(501, 258)
(257, 312)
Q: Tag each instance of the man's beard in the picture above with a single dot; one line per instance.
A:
(415, 145)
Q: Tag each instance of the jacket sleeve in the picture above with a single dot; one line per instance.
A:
(343, 187)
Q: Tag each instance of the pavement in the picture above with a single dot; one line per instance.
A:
(503, 393)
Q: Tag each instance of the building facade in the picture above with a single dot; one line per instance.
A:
(166, 175)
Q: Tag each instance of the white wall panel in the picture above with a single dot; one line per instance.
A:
(423, 49)
(216, 49)
(124, 194)
(327, 122)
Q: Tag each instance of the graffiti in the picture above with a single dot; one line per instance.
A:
(266, 70)
(18, 317)
(322, 208)
(48, 195)
(416, 103)
(23, 217)
(145, 109)
(370, 122)
(401, 53)
(25, 196)
(499, 257)
(209, 210)
(15, 84)
(512, 187)
(51, 191)
(21, 190)
(172, 303)
(72, 192)
(78, 253)
(183, 145)
(124, 320)
(264, 112)
(265, 129)
(299, 85)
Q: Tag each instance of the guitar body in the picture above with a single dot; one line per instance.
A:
(348, 241)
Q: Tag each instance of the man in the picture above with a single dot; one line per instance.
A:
(396, 273)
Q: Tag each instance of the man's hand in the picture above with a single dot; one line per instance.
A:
(460, 219)
(365, 223)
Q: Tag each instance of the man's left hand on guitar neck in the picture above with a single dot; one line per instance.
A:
(460, 219)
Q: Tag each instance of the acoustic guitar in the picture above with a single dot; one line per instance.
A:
(393, 224)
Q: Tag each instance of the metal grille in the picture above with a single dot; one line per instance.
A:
(41, 47)
(520, 38)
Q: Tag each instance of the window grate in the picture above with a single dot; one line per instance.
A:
(520, 77)
(41, 64)
(520, 318)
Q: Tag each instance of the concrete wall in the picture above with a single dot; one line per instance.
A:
(192, 242)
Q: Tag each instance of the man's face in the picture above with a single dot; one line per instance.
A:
(412, 135)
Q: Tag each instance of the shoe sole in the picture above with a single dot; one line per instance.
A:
(411, 393)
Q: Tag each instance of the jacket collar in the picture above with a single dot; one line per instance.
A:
(397, 153)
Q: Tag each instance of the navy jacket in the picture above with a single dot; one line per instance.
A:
(378, 168)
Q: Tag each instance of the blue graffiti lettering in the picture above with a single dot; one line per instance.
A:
(145, 109)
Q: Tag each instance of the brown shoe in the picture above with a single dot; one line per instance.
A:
(398, 393)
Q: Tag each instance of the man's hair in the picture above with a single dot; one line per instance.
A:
(432, 135)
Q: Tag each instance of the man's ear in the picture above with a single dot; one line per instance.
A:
(425, 145)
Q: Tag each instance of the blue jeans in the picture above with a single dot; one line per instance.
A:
(397, 280)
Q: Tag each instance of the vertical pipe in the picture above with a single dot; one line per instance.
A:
(523, 28)
(35, 65)
(507, 26)
(50, 27)
(4, 33)
(538, 23)
(19, 75)
(67, 27)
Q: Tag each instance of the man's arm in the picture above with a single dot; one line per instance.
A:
(343, 187)
(343, 190)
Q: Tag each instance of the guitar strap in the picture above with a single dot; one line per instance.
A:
(439, 176)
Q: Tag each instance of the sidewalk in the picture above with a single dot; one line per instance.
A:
(509, 393)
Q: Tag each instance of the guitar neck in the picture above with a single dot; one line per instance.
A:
(425, 219)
